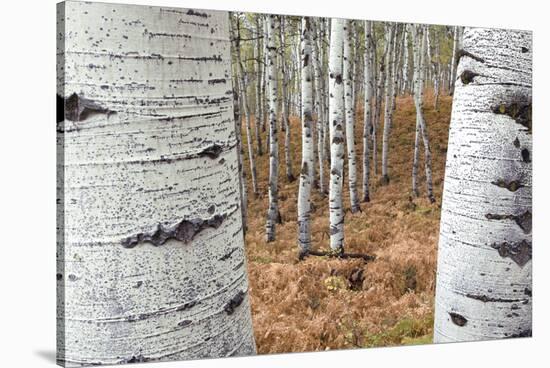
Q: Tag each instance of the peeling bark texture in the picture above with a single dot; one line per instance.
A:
(349, 106)
(484, 258)
(306, 174)
(336, 129)
(156, 162)
(273, 211)
(367, 124)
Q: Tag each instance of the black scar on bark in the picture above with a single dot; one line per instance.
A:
(196, 13)
(79, 108)
(183, 231)
(306, 60)
(228, 255)
(528, 292)
(458, 319)
(523, 220)
(304, 169)
(516, 143)
(519, 109)
(525, 155)
(512, 186)
(184, 323)
(463, 52)
(337, 140)
(519, 252)
(212, 152)
(234, 302)
(485, 299)
(526, 333)
(339, 79)
(467, 76)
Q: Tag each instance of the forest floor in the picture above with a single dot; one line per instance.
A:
(321, 304)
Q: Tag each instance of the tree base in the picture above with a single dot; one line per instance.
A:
(384, 180)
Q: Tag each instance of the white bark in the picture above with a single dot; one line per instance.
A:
(349, 105)
(367, 123)
(258, 115)
(319, 100)
(151, 262)
(306, 173)
(284, 103)
(273, 215)
(453, 61)
(420, 39)
(390, 31)
(484, 259)
(336, 130)
(244, 100)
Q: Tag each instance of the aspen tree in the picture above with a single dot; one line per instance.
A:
(484, 267)
(273, 215)
(149, 204)
(336, 130)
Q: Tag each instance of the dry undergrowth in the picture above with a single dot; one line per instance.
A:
(320, 303)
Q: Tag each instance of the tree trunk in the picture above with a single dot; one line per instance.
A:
(240, 151)
(367, 123)
(336, 128)
(284, 104)
(319, 101)
(149, 204)
(387, 103)
(244, 101)
(484, 259)
(349, 106)
(259, 72)
(306, 173)
(273, 216)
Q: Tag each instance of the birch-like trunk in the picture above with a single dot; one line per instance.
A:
(284, 103)
(150, 257)
(484, 259)
(405, 70)
(349, 106)
(273, 216)
(367, 123)
(244, 100)
(390, 31)
(336, 129)
(258, 115)
(319, 100)
(419, 44)
(306, 173)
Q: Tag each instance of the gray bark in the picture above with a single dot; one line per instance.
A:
(367, 123)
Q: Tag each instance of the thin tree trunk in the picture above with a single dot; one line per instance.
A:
(273, 215)
(367, 123)
(437, 69)
(387, 104)
(259, 98)
(306, 173)
(350, 118)
(284, 114)
(240, 150)
(244, 101)
(319, 102)
(484, 268)
(146, 217)
(336, 127)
